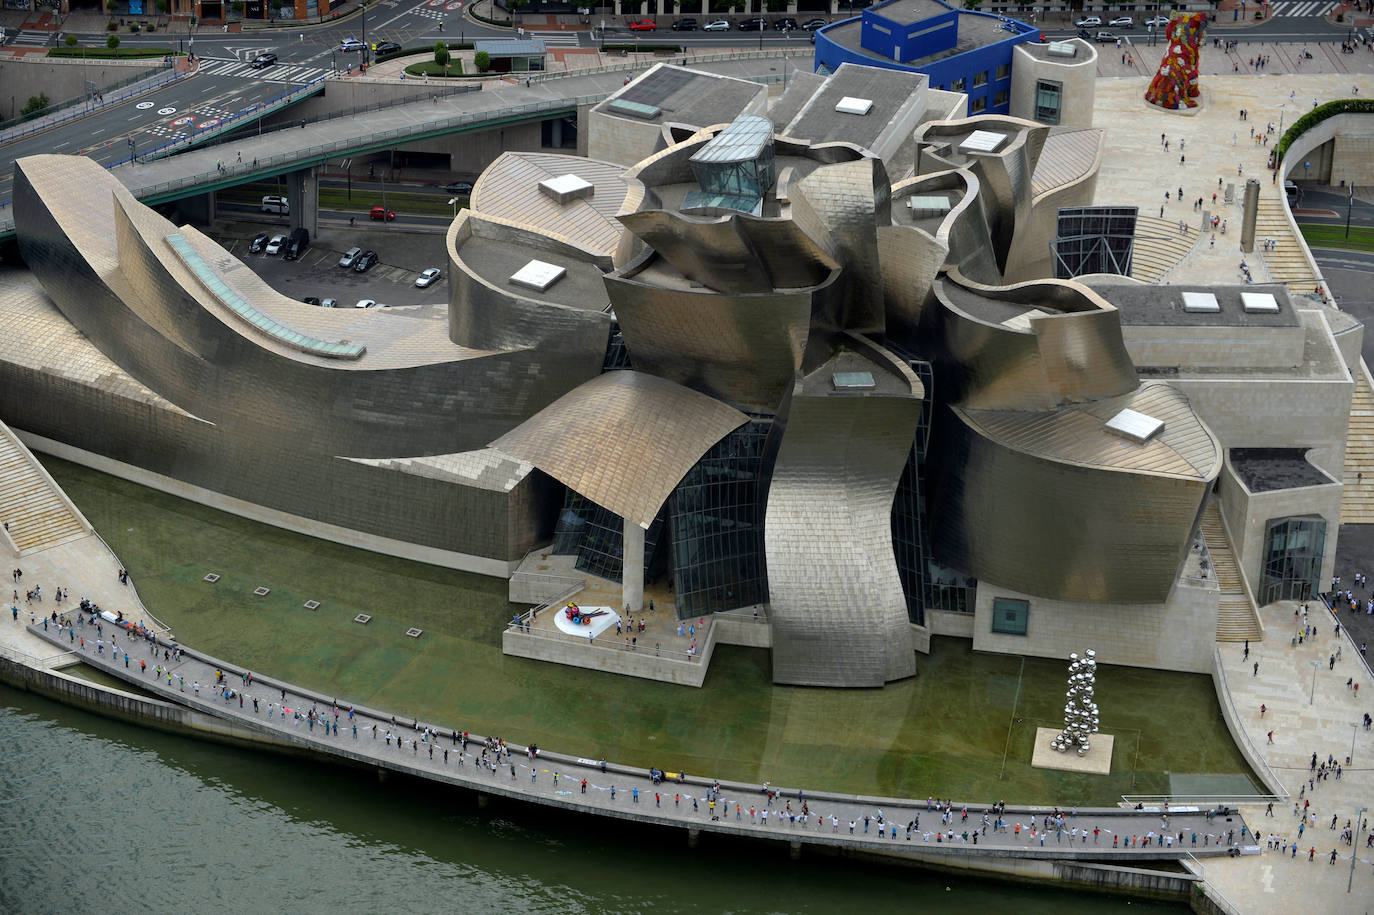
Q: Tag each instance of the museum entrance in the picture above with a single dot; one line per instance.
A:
(1292, 558)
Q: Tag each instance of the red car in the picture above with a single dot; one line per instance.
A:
(383, 214)
(643, 25)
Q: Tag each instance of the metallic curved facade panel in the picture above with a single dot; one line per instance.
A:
(1101, 531)
(1032, 346)
(509, 189)
(836, 605)
(623, 440)
(743, 349)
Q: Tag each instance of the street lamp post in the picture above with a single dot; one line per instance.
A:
(1354, 729)
(453, 202)
(1359, 817)
(1349, 202)
(1312, 695)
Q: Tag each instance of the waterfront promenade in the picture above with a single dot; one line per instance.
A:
(433, 751)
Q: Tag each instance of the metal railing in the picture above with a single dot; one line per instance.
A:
(1177, 801)
(1210, 890)
(1267, 774)
(628, 64)
(522, 621)
(673, 655)
(61, 112)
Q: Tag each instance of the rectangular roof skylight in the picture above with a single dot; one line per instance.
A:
(853, 105)
(853, 381)
(982, 141)
(566, 188)
(1200, 303)
(1259, 303)
(1134, 425)
(538, 275)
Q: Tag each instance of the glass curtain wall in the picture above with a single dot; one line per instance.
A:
(1293, 549)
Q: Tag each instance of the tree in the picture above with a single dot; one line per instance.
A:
(161, 6)
(112, 42)
(111, 6)
(35, 104)
(441, 56)
(70, 40)
(515, 6)
(483, 60)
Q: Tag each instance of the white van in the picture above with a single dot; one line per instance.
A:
(276, 205)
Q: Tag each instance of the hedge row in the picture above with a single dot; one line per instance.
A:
(108, 53)
(412, 52)
(671, 48)
(1319, 114)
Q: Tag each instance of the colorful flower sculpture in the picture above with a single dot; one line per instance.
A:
(1175, 85)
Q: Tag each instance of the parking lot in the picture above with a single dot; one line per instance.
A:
(402, 255)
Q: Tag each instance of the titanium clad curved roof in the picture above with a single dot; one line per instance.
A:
(1068, 155)
(1078, 435)
(623, 440)
(509, 189)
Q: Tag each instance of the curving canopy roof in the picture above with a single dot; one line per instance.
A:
(623, 439)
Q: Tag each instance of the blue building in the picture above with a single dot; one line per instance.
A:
(961, 51)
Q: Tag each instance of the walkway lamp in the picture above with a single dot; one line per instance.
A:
(1312, 695)
(1359, 818)
(1354, 729)
(453, 202)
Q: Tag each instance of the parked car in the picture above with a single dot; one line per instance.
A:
(785, 24)
(310, 300)
(716, 25)
(329, 303)
(351, 44)
(427, 277)
(753, 24)
(1106, 37)
(366, 262)
(643, 25)
(1122, 22)
(1157, 22)
(365, 303)
(297, 243)
(812, 24)
(350, 257)
(461, 188)
(275, 243)
(258, 243)
(386, 47)
(685, 25)
(382, 213)
(1084, 34)
(1089, 22)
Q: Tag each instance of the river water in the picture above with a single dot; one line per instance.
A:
(98, 815)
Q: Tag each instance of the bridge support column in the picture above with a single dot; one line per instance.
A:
(303, 194)
(794, 850)
(632, 567)
(693, 837)
(198, 210)
(483, 799)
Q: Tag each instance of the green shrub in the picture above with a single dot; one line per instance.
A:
(441, 55)
(1319, 114)
(35, 104)
(112, 42)
(482, 60)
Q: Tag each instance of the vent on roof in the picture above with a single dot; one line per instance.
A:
(1259, 303)
(852, 105)
(1136, 426)
(567, 188)
(634, 109)
(1062, 49)
(853, 381)
(1200, 303)
(982, 141)
(923, 207)
(538, 275)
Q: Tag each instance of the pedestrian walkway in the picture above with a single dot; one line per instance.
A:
(1357, 498)
(332, 726)
(286, 73)
(1302, 8)
(27, 38)
(558, 39)
(1236, 615)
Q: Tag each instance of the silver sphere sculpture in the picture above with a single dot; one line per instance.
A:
(1080, 712)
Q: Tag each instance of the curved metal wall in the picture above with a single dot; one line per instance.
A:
(1055, 529)
(836, 605)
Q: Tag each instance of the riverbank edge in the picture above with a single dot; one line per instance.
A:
(163, 716)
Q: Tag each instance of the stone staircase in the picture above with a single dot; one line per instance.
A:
(1158, 247)
(37, 513)
(1287, 263)
(1236, 618)
(1357, 499)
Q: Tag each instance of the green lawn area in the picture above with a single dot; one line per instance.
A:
(943, 732)
(1324, 236)
(405, 203)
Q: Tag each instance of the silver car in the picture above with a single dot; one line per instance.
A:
(350, 257)
(275, 245)
(427, 277)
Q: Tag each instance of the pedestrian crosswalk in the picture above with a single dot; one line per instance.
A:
(556, 39)
(286, 73)
(27, 38)
(1296, 8)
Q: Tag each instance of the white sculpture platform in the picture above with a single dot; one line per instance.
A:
(593, 628)
(1098, 760)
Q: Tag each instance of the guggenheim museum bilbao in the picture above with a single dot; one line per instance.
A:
(838, 352)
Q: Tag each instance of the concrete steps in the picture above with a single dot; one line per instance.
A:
(1287, 263)
(35, 510)
(1236, 618)
(1158, 246)
(1357, 500)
